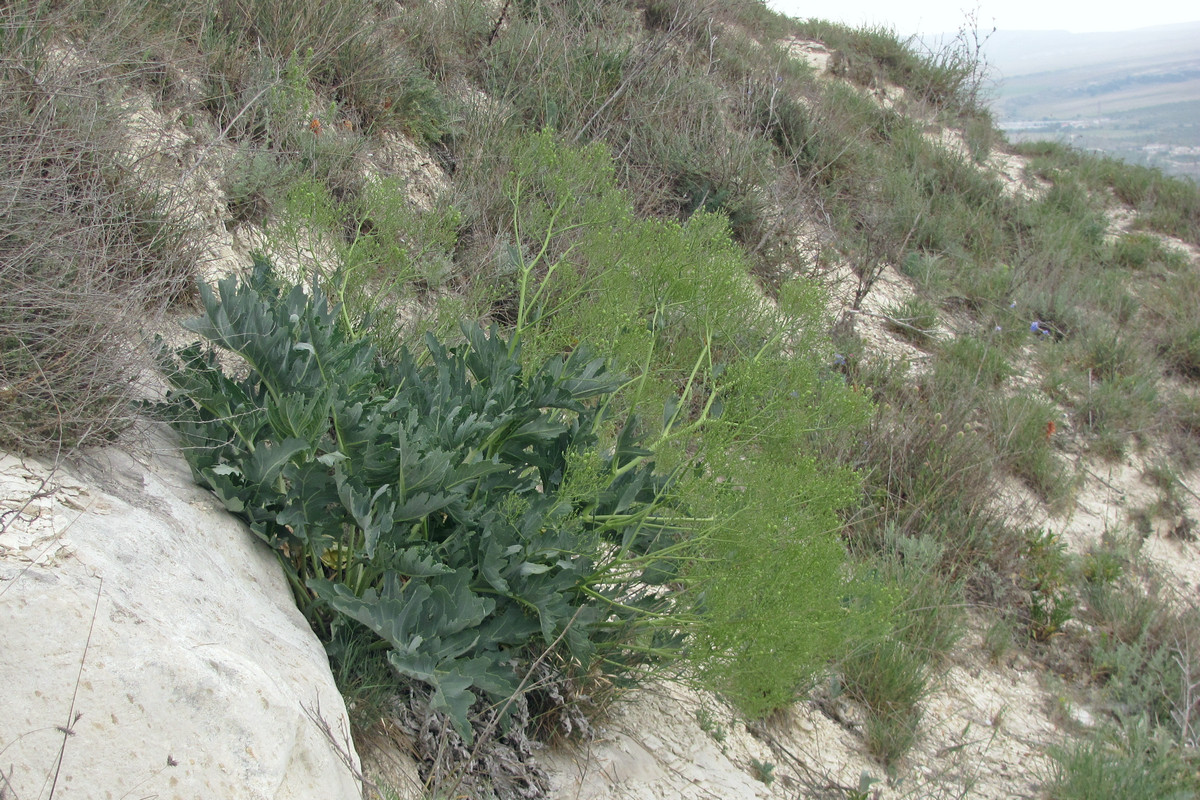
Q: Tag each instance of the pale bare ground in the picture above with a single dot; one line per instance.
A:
(986, 730)
(813, 53)
(872, 319)
(1122, 220)
(1109, 496)
(1010, 169)
(664, 740)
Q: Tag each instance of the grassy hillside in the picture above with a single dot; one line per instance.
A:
(839, 313)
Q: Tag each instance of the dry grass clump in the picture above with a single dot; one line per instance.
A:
(85, 256)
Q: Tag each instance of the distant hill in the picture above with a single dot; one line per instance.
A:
(1135, 94)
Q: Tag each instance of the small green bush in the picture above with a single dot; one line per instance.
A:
(929, 616)
(1142, 657)
(987, 288)
(1108, 354)
(1023, 429)
(915, 319)
(918, 623)
(998, 638)
(1138, 251)
(723, 399)
(927, 470)
(255, 181)
(1183, 427)
(1127, 764)
(1174, 320)
(1116, 412)
(1101, 567)
(980, 136)
(927, 270)
(1051, 598)
(890, 680)
(977, 360)
(460, 509)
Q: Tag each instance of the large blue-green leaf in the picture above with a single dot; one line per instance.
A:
(412, 562)
(373, 513)
(419, 506)
(300, 416)
(313, 504)
(225, 489)
(268, 460)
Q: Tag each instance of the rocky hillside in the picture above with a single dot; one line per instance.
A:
(610, 400)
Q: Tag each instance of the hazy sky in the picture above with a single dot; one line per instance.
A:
(942, 16)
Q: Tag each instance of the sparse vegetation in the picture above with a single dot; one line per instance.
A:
(1128, 764)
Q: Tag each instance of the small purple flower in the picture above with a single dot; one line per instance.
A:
(839, 360)
(1039, 328)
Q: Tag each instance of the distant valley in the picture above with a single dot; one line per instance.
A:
(1135, 95)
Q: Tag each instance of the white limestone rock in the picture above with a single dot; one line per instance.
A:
(200, 679)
